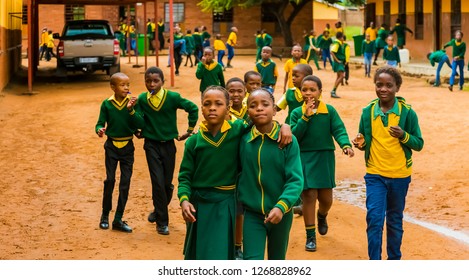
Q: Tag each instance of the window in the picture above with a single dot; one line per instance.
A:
(418, 20)
(24, 18)
(387, 13)
(370, 15)
(269, 20)
(402, 11)
(74, 12)
(222, 21)
(178, 14)
(455, 16)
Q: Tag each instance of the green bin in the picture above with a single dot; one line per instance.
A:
(141, 44)
(357, 44)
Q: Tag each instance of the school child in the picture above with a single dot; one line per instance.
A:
(207, 179)
(338, 55)
(459, 50)
(347, 60)
(159, 107)
(440, 57)
(237, 91)
(268, 40)
(220, 47)
(292, 97)
(198, 42)
(380, 42)
(316, 125)
(296, 53)
(268, 70)
(388, 132)
(205, 37)
(270, 182)
(119, 121)
(230, 44)
(50, 46)
(311, 49)
(324, 43)
(209, 72)
(190, 48)
(400, 30)
(368, 49)
(391, 53)
(259, 44)
(253, 81)
(44, 41)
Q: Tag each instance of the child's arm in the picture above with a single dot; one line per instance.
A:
(199, 73)
(361, 131)
(285, 136)
(285, 81)
(221, 77)
(299, 123)
(186, 171)
(339, 132)
(100, 127)
(275, 75)
(137, 120)
(282, 103)
(363, 47)
(412, 138)
(193, 116)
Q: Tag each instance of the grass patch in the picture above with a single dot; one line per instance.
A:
(351, 31)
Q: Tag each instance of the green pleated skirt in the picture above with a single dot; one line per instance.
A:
(318, 169)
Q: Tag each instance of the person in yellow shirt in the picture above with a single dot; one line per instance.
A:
(230, 43)
(371, 30)
(219, 46)
(151, 27)
(296, 53)
(44, 41)
(50, 46)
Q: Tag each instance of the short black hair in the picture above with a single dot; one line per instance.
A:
(249, 74)
(210, 49)
(155, 70)
(262, 90)
(339, 35)
(313, 79)
(219, 88)
(234, 80)
(390, 71)
(304, 68)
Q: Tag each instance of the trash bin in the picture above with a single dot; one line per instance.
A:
(357, 44)
(141, 44)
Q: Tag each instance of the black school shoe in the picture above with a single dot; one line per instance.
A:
(152, 217)
(311, 244)
(121, 226)
(104, 222)
(322, 224)
(163, 230)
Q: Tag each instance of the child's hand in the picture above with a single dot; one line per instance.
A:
(310, 105)
(187, 210)
(274, 217)
(359, 141)
(203, 59)
(131, 103)
(101, 131)
(184, 136)
(349, 152)
(396, 131)
(285, 136)
(138, 134)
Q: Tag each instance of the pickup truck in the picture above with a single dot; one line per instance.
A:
(87, 45)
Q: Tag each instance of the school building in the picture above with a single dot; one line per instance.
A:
(432, 21)
(10, 39)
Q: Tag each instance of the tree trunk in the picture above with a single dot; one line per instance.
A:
(285, 24)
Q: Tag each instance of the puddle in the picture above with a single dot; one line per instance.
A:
(354, 193)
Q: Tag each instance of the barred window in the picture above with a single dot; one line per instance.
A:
(419, 19)
(74, 12)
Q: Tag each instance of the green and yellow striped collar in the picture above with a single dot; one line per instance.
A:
(273, 134)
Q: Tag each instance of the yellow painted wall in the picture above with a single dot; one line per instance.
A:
(410, 7)
(9, 10)
(323, 11)
(464, 6)
(446, 6)
(379, 7)
(394, 7)
(427, 6)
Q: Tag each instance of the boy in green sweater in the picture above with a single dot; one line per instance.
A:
(368, 49)
(459, 50)
(391, 55)
(119, 121)
(268, 70)
(338, 64)
(270, 182)
(440, 57)
(209, 72)
(158, 107)
(389, 130)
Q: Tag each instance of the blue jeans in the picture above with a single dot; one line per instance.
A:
(326, 54)
(454, 65)
(230, 51)
(443, 60)
(368, 57)
(385, 199)
(221, 54)
(392, 63)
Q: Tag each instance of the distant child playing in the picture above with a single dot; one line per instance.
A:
(440, 57)
(368, 49)
(324, 43)
(338, 65)
(311, 49)
(459, 50)
(316, 125)
(209, 72)
(270, 182)
(220, 47)
(293, 97)
(268, 70)
(391, 55)
(347, 60)
(159, 107)
(388, 132)
(253, 81)
(296, 59)
(119, 121)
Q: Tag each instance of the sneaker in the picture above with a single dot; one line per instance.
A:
(346, 82)
(450, 88)
(311, 244)
(229, 66)
(334, 95)
(322, 224)
(374, 63)
(436, 85)
(238, 254)
(163, 230)
(460, 88)
(152, 217)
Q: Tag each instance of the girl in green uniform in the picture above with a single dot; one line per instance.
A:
(270, 183)
(315, 125)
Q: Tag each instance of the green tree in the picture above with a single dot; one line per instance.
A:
(276, 7)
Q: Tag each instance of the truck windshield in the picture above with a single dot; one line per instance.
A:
(80, 29)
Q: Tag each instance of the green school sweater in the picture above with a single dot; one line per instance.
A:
(205, 36)
(318, 131)
(368, 47)
(412, 139)
(210, 75)
(270, 177)
(324, 43)
(458, 51)
(392, 54)
(436, 56)
(267, 71)
(340, 53)
(197, 39)
(292, 102)
(267, 39)
(211, 162)
(190, 44)
(259, 42)
(161, 120)
(380, 42)
(121, 124)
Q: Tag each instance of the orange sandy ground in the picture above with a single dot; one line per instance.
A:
(54, 163)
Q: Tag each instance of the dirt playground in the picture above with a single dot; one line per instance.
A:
(53, 166)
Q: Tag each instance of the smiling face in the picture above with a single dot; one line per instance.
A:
(237, 93)
(296, 52)
(266, 53)
(253, 82)
(261, 108)
(120, 84)
(153, 82)
(310, 90)
(385, 87)
(214, 107)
